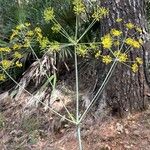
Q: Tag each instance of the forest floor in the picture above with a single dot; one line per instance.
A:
(35, 132)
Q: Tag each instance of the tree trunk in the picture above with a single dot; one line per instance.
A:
(127, 91)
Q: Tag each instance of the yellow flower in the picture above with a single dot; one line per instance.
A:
(6, 64)
(49, 14)
(121, 57)
(99, 13)
(119, 20)
(139, 29)
(106, 59)
(107, 41)
(141, 41)
(93, 46)
(133, 43)
(15, 33)
(54, 46)
(5, 49)
(78, 7)
(17, 55)
(129, 25)
(18, 64)
(139, 60)
(82, 50)
(37, 30)
(115, 32)
(16, 46)
(20, 26)
(134, 67)
(56, 28)
(98, 54)
(26, 43)
(116, 43)
(30, 33)
(27, 24)
(44, 42)
(2, 77)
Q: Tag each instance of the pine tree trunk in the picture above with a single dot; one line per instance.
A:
(126, 91)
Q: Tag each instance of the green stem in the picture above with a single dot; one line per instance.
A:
(100, 90)
(77, 86)
(89, 27)
(79, 136)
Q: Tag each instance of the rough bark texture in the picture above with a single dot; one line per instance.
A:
(126, 91)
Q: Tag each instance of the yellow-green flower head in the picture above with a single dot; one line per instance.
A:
(78, 7)
(56, 28)
(141, 41)
(115, 32)
(20, 26)
(139, 60)
(30, 33)
(17, 55)
(49, 14)
(119, 19)
(98, 54)
(93, 46)
(18, 64)
(6, 63)
(99, 13)
(26, 42)
(16, 46)
(54, 46)
(44, 42)
(138, 29)
(107, 41)
(5, 49)
(133, 43)
(106, 59)
(37, 30)
(15, 33)
(116, 43)
(2, 77)
(27, 24)
(82, 50)
(122, 57)
(135, 67)
(129, 25)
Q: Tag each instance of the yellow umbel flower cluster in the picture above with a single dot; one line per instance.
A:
(121, 57)
(56, 28)
(2, 77)
(54, 46)
(119, 20)
(49, 14)
(135, 67)
(99, 13)
(6, 63)
(82, 50)
(79, 7)
(18, 64)
(17, 55)
(5, 49)
(132, 42)
(107, 41)
(115, 32)
(129, 25)
(107, 59)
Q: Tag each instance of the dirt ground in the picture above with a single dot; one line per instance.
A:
(36, 131)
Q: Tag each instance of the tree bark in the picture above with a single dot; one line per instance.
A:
(127, 91)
